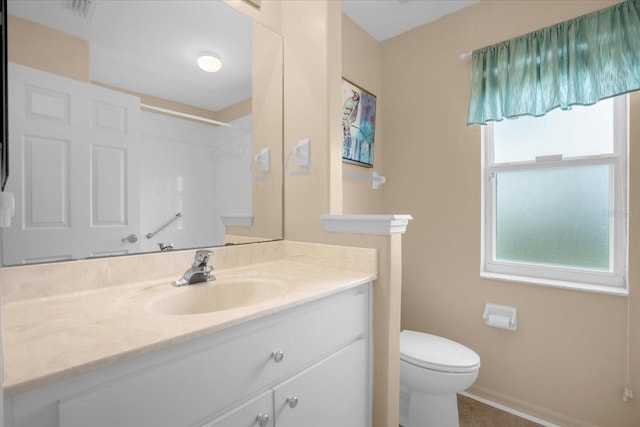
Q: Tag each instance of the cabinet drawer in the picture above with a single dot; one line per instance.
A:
(256, 412)
(202, 382)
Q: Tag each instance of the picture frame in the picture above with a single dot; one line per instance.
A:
(358, 124)
(255, 3)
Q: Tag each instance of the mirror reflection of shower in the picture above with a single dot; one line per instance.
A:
(198, 170)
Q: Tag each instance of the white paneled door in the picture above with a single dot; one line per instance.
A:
(74, 152)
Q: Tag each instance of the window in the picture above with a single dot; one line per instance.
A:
(555, 198)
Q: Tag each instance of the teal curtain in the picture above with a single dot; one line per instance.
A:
(577, 62)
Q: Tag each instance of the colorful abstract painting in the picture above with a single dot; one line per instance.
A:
(358, 124)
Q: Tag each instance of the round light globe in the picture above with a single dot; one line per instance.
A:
(209, 62)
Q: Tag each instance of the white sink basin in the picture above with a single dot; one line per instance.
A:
(216, 296)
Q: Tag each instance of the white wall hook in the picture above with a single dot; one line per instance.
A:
(263, 160)
(302, 152)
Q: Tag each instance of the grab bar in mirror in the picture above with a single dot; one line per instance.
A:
(165, 225)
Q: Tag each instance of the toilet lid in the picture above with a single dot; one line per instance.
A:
(437, 353)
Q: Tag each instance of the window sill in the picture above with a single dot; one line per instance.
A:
(600, 289)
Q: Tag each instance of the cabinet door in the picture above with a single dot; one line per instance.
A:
(332, 393)
(255, 413)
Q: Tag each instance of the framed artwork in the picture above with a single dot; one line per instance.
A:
(358, 124)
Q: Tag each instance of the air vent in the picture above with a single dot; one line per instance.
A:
(83, 8)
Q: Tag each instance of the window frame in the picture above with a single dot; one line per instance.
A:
(611, 282)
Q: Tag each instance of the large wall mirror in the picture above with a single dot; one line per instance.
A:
(121, 144)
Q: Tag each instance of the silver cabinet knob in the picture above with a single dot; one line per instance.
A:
(262, 420)
(292, 401)
(277, 356)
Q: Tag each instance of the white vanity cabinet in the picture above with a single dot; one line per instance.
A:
(328, 394)
(306, 366)
(331, 393)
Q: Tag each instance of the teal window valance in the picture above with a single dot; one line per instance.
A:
(576, 62)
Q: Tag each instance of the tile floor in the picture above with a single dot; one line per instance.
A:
(476, 414)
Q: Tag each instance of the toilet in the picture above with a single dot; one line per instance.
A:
(432, 370)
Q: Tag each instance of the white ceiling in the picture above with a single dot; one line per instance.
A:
(384, 19)
(151, 46)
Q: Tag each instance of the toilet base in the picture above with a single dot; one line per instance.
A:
(433, 410)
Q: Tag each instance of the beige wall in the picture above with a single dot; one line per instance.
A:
(267, 193)
(46, 49)
(361, 64)
(313, 65)
(566, 362)
(312, 61)
(236, 111)
(361, 60)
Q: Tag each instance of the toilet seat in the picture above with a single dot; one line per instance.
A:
(437, 353)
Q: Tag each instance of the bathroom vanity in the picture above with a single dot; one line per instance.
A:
(294, 358)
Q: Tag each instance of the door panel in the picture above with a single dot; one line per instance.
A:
(75, 185)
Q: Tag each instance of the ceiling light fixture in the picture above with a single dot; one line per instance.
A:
(209, 62)
(83, 8)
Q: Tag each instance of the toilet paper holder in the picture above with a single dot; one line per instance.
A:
(500, 316)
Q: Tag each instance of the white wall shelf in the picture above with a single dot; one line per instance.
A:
(366, 224)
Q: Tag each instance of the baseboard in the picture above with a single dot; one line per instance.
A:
(524, 409)
(508, 409)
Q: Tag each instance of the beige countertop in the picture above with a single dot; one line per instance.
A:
(52, 338)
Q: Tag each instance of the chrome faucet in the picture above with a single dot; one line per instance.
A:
(165, 246)
(199, 271)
